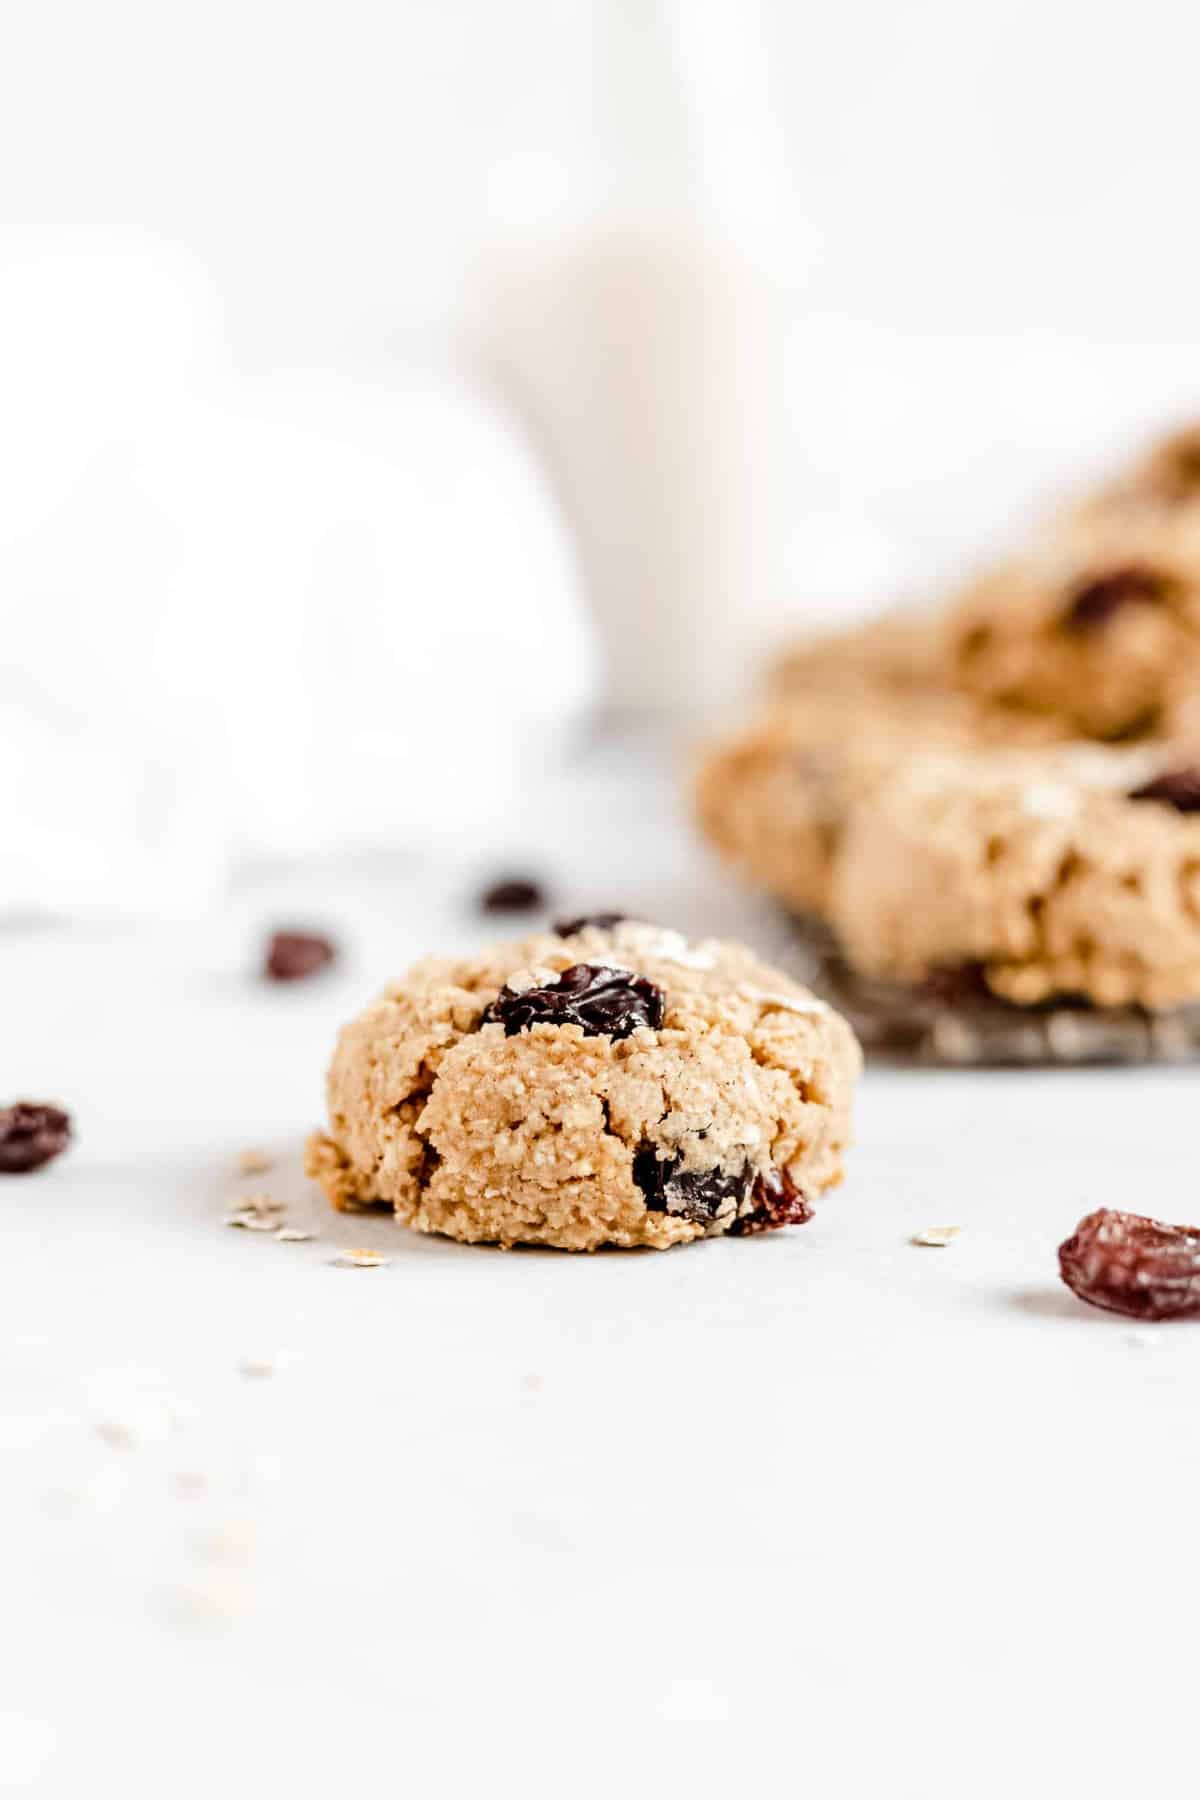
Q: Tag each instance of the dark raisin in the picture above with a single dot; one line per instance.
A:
(603, 1002)
(956, 984)
(294, 955)
(700, 1197)
(31, 1134)
(515, 894)
(750, 1203)
(1179, 788)
(775, 1201)
(598, 921)
(1132, 1265)
(1095, 602)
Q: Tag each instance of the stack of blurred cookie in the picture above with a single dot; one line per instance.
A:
(987, 814)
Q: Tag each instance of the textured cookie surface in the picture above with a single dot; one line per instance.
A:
(1048, 874)
(1098, 626)
(686, 1090)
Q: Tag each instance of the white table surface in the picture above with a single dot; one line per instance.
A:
(817, 1512)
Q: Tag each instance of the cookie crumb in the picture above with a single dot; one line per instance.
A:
(261, 1366)
(188, 1483)
(935, 1237)
(359, 1259)
(208, 1602)
(233, 1540)
(254, 1162)
(256, 1212)
(293, 1234)
(139, 1423)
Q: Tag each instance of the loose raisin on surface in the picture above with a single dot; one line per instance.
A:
(603, 1002)
(1133, 1265)
(294, 955)
(517, 893)
(774, 1199)
(1179, 788)
(31, 1134)
(598, 921)
(1095, 602)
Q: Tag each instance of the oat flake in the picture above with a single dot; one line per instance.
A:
(359, 1259)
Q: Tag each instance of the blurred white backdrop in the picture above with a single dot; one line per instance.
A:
(243, 268)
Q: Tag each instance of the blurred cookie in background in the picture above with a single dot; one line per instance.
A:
(1098, 626)
(1164, 478)
(774, 798)
(903, 651)
(1045, 876)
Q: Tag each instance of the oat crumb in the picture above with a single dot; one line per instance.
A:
(935, 1237)
(254, 1162)
(359, 1259)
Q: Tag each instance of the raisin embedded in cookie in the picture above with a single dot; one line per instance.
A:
(1072, 873)
(1098, 627)
(620, 1086)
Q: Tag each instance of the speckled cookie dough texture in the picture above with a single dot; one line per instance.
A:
(1070, 873)
(588, 1126)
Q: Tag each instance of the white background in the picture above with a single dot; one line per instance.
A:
(1014, 172)
(821, 1511)
(263, 529)
(814, 1512)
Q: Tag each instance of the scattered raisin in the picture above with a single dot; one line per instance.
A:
(1179, 788)
(294, 955)
(1133, 1265)
(1095, 602)
(752, 1203)
(603, 1002)
(515, 894)
(31, 1134)
(598, 921)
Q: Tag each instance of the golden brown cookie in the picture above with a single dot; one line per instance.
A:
(900, 652)
(1097, 627)
(609, 1083)
(774, 797)
(1163, 478)
(1070, 873)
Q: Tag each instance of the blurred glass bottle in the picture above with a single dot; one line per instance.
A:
(633, 308)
